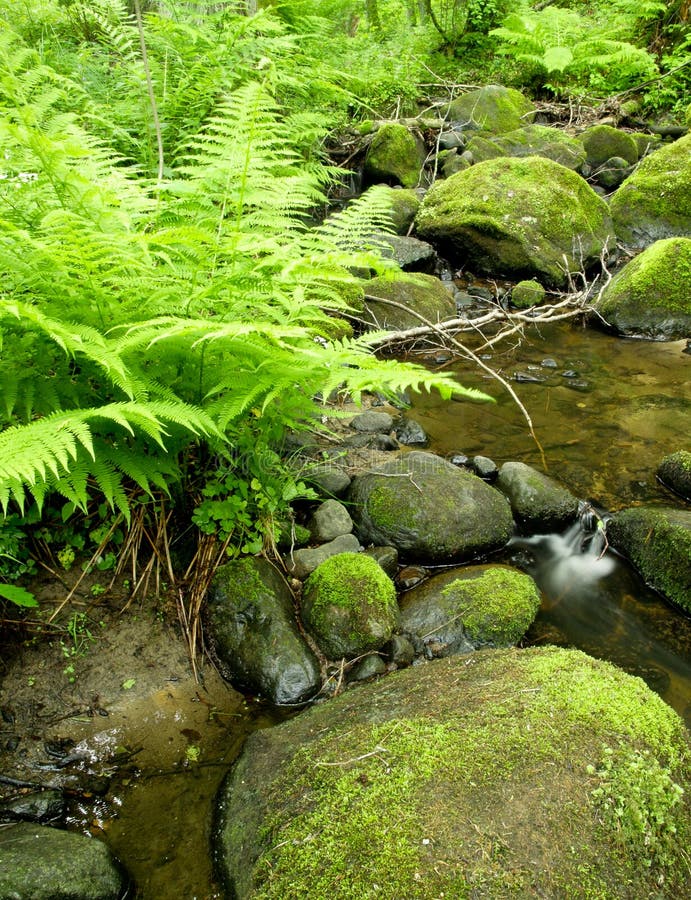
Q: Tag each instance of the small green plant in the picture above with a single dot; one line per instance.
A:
(637, 797)
(80, 637)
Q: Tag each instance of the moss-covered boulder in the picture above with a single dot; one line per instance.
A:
(465, 609)
(404, 205)
(492, 108)
(349, 605)
(510, 773)
(429, 509)
(531, 140)
(252, 630)
(527, 293)
(655, 201)
(521, 217)
(651, 295)
(675, 471)
(395, 156)
(419, 293)
(657, 540)
(537, 501)
(602, 142)
(42, 863)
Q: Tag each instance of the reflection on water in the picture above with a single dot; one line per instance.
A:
(606, 411)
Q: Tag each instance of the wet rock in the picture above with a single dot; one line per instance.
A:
(420, 293)
(386, 557)
(400, 650)
(432, 759)
(302, 562)
(675, 472)
(527, 378)
(429, 509)
(329, 478)
(370, 667)
(655, 201)
(395, 156)
(651, 295)
(493, 109)
(537, 501)
(484, 468)
(519, 217)
(373, 422)
(464, 609)
(409, 576)
(349, 606)
(254, 634)
(38, 806)
(549, 363)
(657, 540)
(450, 140)
(330, 520)
(41, 863)
(411, 432)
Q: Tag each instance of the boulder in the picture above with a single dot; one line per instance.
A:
(531, 140)
(349, 605)
(538, 502)
(655, 201)
(302, 562)
(409, 254)
(657, 540)
(509, 773)
(372, 422)
(675, 471)
(395, 156)
(527, 293)
(651, 295)
(252, 630)
(42, 863)
(492, 108)
(521, 217)
(330, 520)
(329, 478)
(404, 205)
(429, 509)
(601, 142)
(465, 609)
(418, 293)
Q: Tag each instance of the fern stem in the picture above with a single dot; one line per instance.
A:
(150, 90)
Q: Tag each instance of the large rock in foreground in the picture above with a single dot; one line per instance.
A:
(532, 773)
(651, 295)
(41, 863)
(655, 201)
(252, 629)
(657, 540)
(429, 509)
(521, 217)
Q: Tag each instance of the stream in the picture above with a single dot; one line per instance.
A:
(606, 411)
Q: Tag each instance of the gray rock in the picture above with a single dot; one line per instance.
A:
(429, 509)
(330, 520)
(302, 562)
(538, 502)
(329, 478)
(252, 629)
(410, 254)
(40, 806)
(387, 557)
(612, 172)
(675, 472)
(411, 432)
(373, 422)
(349, 606)
(450, 140)
(371, 666)
(484, 468)
(400, 650)
(42, 863)
(464, 609)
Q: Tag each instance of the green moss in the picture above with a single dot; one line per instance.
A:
(659, 277)
(497, 607)
(602, 142)
(405, 807)
(527, 293)
(493, 108)
(394, 155)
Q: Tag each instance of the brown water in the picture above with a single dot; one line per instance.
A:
(624, 405)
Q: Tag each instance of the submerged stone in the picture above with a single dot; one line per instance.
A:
(502, 774)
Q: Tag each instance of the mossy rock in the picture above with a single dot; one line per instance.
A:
(492, 108)
(675, 471)
(419, 293)
(252, 630)
(395, 156)
(349, 605)
(465, 609)
(404, 205)
(538, 502)
(429, 509)
(509, 773)
(657, 540)
(651, 295)
(527, 293)
(646, 143)
(532, 140)
(520, 217)
(602, 142)
(42, 863)
(655, 201)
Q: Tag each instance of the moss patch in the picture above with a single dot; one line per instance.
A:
(493, 108)
(527, 293)
(675, 471)
(602, 142)
(395, 156)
